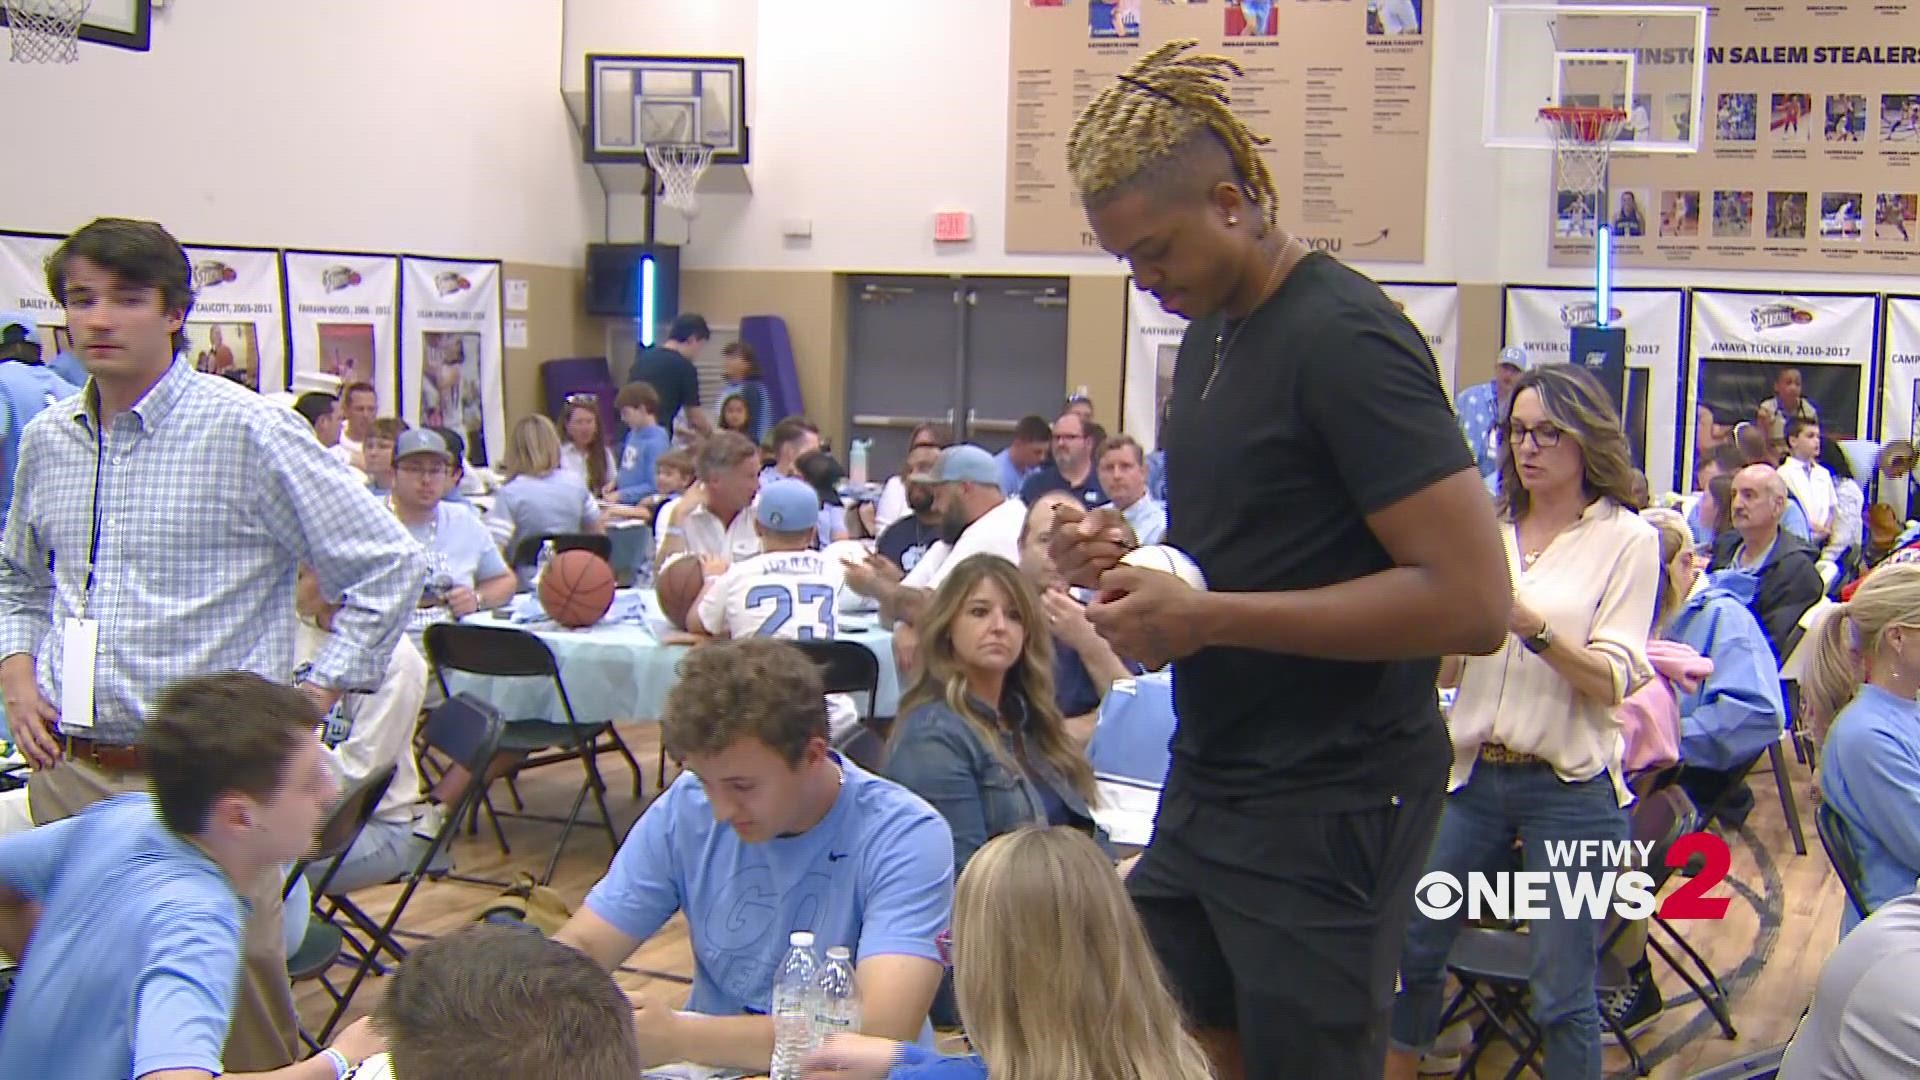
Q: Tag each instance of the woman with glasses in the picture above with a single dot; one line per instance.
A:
(1537, 746)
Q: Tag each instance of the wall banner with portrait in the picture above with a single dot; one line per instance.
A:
(1541, 321)
(1435, 312)
(23, 287)
(1745, 345)
(341, 317)
(1900, 400)
(237, 328)
(450, 351)
(1153, 342)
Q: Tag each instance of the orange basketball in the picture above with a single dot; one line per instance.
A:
(577, 588)
(678, 585)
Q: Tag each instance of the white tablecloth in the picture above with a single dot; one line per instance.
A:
(619, 670)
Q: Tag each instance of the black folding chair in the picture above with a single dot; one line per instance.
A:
(323, 942)
(848, 667)
(504, 652)
(1760, 1065)
(457, 745)
(528, 553)
(1836, 836)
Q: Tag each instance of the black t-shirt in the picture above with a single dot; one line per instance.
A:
(906, 540)
(1327, 407)
(672, 376)
(1048, 478)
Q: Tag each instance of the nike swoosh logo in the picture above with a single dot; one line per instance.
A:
(836, 856)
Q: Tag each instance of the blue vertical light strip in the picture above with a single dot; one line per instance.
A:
(646, 302)
(1602, 272)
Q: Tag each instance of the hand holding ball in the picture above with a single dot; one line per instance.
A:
(1148, 610)
(1168, 560)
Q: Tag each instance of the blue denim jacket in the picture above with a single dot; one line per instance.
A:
(938, 756)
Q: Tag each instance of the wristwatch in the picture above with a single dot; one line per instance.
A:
(1540, 642)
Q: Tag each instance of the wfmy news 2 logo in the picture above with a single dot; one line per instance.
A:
(1585, 879)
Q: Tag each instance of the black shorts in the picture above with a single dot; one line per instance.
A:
(1287, 925)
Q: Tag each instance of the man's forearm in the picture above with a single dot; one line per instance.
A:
(733, 1042)
(498, 591)
(372, 616)
(1396, 614)
(904, 605)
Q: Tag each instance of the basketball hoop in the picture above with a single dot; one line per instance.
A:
(46, 31)
(1582, 139)
(678, 167)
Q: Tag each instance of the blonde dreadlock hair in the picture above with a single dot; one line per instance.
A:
(1159, 110)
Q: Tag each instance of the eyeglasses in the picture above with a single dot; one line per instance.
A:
(583, 399)
(1545, 436)
(924, 446)
(422, 468)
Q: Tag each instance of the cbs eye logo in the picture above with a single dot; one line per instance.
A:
(1439, 895)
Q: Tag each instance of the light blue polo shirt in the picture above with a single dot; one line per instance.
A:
(134, 965)
(876, 875)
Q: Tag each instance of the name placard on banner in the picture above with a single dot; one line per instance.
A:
(342, 318)
(1541, 320)
(23, 287)
(1743, 342)
(450, 350)
(237, 327)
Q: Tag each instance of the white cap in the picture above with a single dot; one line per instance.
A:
(801, 937)
(839, 952)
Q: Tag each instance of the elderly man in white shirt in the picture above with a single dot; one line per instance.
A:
(1123, 476)
(715, 516)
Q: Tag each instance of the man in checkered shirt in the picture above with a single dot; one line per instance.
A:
(165, 511)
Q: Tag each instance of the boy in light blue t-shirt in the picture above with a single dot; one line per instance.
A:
(646, 441)
(766, 833)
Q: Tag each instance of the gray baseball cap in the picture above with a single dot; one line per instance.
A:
(962, 464)
(1514, 356)
(421, 441)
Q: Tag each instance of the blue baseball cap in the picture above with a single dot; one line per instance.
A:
(788, 506)
(1514, 356)
(962, 464)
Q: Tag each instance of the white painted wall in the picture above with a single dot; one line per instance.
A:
(432, 126)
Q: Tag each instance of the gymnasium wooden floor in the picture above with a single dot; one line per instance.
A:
(1779, 928)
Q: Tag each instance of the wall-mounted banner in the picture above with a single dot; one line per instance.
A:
(23, 287)
(342, 319)
(1744, 344)
(450, 358)
(1435, 311)
(1900, 396)
(1541, 320)
(237, 327)
(1153, 343)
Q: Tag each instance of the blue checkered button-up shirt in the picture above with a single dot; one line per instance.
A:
(209, 497)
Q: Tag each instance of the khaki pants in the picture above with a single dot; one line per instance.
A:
(265, 1032)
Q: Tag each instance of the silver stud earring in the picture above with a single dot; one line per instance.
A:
(1231, 220)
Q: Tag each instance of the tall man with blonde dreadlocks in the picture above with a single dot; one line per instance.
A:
(1317, 475)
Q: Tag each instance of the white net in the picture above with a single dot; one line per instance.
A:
(45, 31)
(1582, 140)
(678, 168)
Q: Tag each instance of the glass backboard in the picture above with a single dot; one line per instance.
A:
(1645, 60)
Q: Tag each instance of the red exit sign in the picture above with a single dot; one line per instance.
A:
(952, 227)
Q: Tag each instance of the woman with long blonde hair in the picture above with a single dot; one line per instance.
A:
(539, 497)
(1055, 978)
(1860, 688)
(979, 735)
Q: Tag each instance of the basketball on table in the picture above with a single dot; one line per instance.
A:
(1168, 560)
(576, 589)
(678, 585)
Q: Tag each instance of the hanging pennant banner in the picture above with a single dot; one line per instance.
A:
(1900, 403)
(450, 358)
(23, 287)
(342, 318)
(1747, 346)
(1153, 344)
(237, 327)
(1541, 321)
(1435, 311)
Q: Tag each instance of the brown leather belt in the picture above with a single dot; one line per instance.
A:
(1494, 754)
(115, 756)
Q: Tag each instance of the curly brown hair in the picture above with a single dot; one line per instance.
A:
(755, 688)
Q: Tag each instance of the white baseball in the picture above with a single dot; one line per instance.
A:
(1168, 560)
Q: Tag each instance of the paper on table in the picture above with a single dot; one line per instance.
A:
(686, 1070)
(1127, 809)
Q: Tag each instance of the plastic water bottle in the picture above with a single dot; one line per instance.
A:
(793, 1007)
(541, 560)
(836, 1000)
(857, 462)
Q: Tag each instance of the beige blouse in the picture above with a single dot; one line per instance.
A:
(1595, 583)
